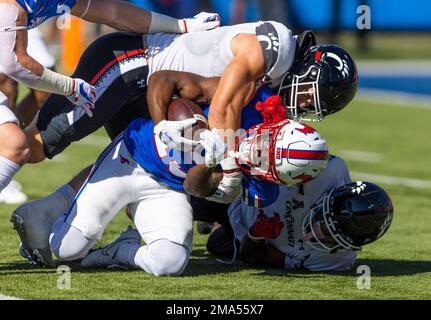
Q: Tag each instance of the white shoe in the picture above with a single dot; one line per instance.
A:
(12, 194)
(107, 256)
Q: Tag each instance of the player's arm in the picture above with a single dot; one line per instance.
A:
(238, 83)
(116, 14)
(128, 17)
(255, 252)
(201, 181)
(162, 85)
(20, 66)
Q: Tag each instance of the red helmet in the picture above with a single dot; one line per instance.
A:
(284, 153)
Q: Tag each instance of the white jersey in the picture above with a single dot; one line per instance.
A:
(208, 53)
(292, 205)
(38, 50)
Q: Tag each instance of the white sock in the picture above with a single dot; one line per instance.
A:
(162, 23)
(7, 170)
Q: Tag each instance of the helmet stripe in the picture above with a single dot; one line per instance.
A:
(305, 154)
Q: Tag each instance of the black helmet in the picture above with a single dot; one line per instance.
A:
(326, 71)
(350, 216)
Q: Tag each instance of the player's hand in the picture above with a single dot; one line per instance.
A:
(170, 133)
(229, 189)
(214, 146)
(265, 227)
(202, 22)
(83, 95)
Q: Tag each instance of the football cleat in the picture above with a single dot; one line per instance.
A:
(107, 256)
(33, 223)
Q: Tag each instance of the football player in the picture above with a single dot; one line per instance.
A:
(33, 220)
(140, 171)
(27, 109)
(319, 225)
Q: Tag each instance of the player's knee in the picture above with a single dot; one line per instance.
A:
(68, 243)
(15, 147)
(173, 262)
(170, 259)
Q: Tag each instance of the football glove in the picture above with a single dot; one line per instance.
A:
(230, 187)
(266, 227)
(214, 146)
(83, 95)
(202, 22)
(170, 133)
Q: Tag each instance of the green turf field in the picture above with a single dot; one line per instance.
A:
(390, 141)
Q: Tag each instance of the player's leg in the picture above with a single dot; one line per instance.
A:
(74, 233)
(117, 77)
(164, 220)
(14, 150)
(166, 225)
(10, 89)
(33, 220)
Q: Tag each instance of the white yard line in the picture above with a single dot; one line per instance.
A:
(3, 297)
(391, 180)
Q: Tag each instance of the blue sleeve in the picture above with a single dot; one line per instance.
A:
(259, 194)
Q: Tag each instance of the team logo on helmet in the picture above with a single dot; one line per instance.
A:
(342, 64)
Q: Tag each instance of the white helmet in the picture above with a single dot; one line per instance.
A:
(284, 153)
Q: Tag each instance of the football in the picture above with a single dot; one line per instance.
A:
(182, 109)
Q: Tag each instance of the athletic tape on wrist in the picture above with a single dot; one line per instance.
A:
(54, 82)
(163, 23)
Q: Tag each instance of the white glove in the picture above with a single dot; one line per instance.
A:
(202, 22)
(170, 133)
(214, 146)
(230, 188)
(83, 95)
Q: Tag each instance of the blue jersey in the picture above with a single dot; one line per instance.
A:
(41, 10)
(168, 165)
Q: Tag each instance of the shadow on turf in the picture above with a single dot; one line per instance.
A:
(378, 267)
(203, 264)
